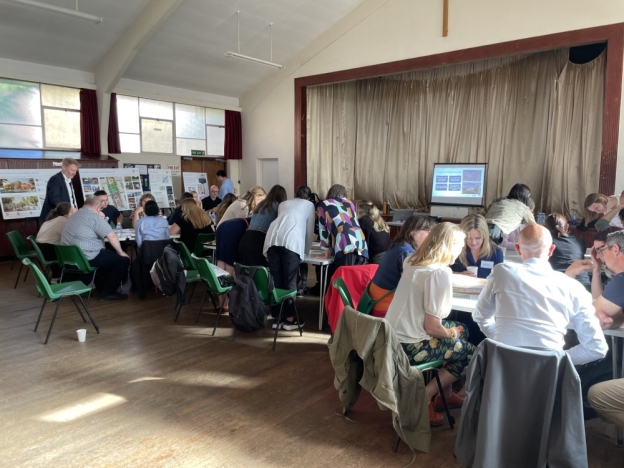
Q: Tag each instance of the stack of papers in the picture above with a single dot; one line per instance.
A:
(218, 271)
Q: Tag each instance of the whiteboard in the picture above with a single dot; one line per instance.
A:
(23, 191)
(123, 186)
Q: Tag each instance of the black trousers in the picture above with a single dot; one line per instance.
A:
(117, 270)
(50, 254)
(284, 265)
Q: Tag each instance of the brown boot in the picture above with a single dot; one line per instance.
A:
(435, 419)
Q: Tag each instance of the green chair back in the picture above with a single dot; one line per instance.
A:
(260, 279)
(185, 255)
(72, 259)
(19, 246)
(207, 274)
(40, 257)
(340, 285)
(43, 287)
(199, 250)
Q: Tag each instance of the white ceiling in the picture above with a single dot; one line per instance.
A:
(186, 52)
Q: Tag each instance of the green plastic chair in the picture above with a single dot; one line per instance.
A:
(192, 274)
(21, 252)
(46, 264)
(212, 285)
(199, 250)
(274, 297)
(56, 293)
(340, 285)
(72, 260)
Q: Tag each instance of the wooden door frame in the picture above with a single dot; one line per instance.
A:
(612, 34)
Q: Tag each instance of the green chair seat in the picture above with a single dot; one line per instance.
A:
(213, 287)
(21, 251)
(65, 289)
(280, 294)
(430, 365)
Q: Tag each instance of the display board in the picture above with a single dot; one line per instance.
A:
(162, 187)
(123, 186)
(23, 191)
(144, 170)
(196, 182)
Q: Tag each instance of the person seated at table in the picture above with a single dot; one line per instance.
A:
(193, 222)
(138, 213)
(109, 211)
(529, 304)
(339, 231)
(245, 206)
(50, 233)
(177, 212)
(250, 247)
(413, 232)
(568, 247)
(212, 201)
(376, 231)
(608, 207)
(506, 214)
(196, 198)
(287, 241)
(479, 250)
(151, 227)
(87, 229)
(422, 300)
(224, 205)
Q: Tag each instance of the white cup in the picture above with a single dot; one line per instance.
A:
(473, 269)
(82, 335)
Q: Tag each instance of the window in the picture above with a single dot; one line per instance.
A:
(215, 131)
(38, 116)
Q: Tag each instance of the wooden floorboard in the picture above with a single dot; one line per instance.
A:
(150, 392)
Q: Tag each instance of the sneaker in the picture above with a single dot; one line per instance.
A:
(114, 297)
(435, 419)
(277, 325)
(302, 292)
(294, 325)
(455, 401)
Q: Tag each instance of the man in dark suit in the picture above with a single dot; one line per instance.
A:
(60, 188)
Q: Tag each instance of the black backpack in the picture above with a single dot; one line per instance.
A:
(168, 274)
(247, 310)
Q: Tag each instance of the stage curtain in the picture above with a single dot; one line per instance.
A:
(114, 146)
(89, 122)
(233, 135)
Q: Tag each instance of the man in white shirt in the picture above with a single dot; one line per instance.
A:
(531, 305)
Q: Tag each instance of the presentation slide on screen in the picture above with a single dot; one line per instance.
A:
(458, 184)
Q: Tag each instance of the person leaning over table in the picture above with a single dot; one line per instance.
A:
(225, 204)
(479, 250)
(151, 227)
(245, 206)
(376, 231)
(608, 207)
(413, 232)
(506, 214)
(422, 299)
(87, 229)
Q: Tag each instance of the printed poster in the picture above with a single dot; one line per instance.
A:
(123, 186)
(162, 187)
(196, 182)
(23, 191)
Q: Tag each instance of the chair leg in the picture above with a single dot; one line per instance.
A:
(13, 264)
(53, 319)
(45, 299)
(279, 320)
(18, 275)
(201, 306)
(97, 329)
(179, 309)
(78, 309)
(297, 317)
(395, 447)
(192, 291)
(451, 419)
(26, 275)
(219, 312)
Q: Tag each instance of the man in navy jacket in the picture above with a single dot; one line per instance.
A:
(60, 189)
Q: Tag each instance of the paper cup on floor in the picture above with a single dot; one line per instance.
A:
(472, 269)
(82, 334)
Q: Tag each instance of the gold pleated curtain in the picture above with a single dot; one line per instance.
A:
(534, 119)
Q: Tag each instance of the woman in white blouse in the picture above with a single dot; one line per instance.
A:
(422, 299)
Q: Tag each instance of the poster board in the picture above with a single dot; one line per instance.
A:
(196, 182)
(23, 191)
(161, 184)
(123, 186)
(144, 170)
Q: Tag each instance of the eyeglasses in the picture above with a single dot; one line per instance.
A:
(600, 250)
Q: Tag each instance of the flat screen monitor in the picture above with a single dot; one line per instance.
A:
(458, 184)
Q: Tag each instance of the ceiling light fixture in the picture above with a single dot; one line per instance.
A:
(56, 9)
(247, 57)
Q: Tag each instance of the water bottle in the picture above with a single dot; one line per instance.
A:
(541, 218)
(213, 217)
(118, 229)
(573, 221)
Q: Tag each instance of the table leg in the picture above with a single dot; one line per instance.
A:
(322, 296)
(614, 356)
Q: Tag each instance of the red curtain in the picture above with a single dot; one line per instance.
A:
(113, 127)
(233, 135)
(89, 122)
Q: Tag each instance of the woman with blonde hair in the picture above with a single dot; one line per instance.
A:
(608, 207)
(480, 251)
(194, 221)
(244, 207)
(422, 299)
(376, 231)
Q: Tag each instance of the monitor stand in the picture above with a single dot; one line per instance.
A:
(449, 212)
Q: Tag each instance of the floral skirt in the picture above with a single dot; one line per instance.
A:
(456, 352)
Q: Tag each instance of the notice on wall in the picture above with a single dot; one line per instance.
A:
(175, 170)
(162, 187)
(23, 191)
(196, 182)
(143, 173)
(123, 186)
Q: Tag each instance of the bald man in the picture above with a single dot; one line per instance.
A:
(212, 201)
(529, 304)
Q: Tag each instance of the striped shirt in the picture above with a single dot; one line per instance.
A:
(87, 230)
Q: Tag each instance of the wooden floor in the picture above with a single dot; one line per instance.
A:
(148, 392)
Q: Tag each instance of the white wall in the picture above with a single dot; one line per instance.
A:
(388, 30)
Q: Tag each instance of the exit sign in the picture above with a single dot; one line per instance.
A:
(198, 153)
